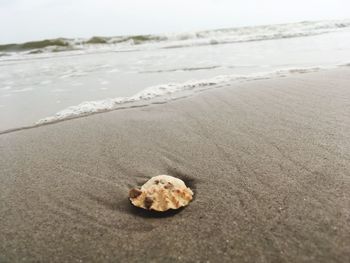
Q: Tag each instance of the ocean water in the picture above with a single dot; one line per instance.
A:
(54, 80)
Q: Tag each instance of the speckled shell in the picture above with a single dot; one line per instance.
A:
(161, 193)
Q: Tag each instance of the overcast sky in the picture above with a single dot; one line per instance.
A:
(24, 20)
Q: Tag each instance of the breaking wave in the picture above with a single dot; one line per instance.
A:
(60, 42)
(209, 37)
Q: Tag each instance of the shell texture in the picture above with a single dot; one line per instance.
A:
(161, 193)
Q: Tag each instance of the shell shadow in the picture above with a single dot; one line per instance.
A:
(126, 206)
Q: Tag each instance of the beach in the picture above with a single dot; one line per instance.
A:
(268, 161)
(41, 85)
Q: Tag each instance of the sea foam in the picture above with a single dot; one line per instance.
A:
(166, 92)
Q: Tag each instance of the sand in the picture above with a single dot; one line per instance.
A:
(268, 160)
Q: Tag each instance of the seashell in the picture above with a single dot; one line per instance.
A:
(161, 193)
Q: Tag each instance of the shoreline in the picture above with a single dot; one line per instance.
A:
(268, 161)
(203, 86)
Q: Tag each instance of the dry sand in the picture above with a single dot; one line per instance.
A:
(269, 162)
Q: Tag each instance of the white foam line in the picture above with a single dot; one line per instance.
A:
(6, 88)
(21, 90)
(165, 90)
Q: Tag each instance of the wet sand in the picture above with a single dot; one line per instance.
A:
(268, 160)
